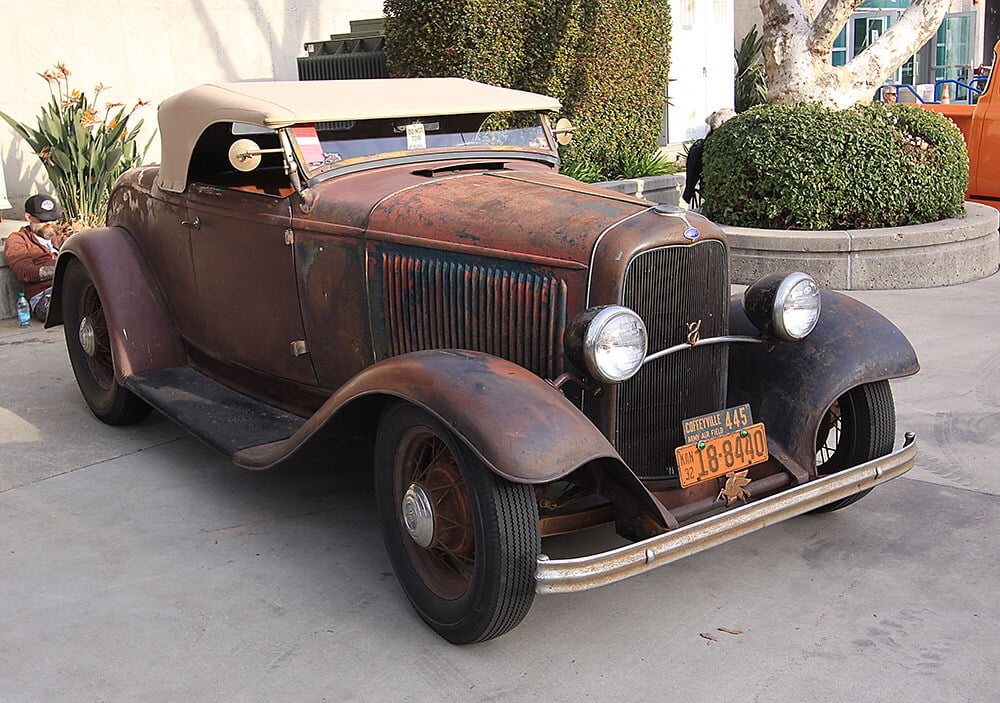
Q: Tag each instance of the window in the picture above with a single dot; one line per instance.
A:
(952, 57)
(210, 160)
(839, 53)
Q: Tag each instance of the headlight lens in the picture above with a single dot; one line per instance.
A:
(796, 307)
(785, 306)
(609, 342)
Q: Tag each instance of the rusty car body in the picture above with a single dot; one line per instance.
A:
(398, 263)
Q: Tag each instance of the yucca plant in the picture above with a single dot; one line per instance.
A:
(751, 81)
(642, 165)
(636, 165)
(581, 171)
(84, 149)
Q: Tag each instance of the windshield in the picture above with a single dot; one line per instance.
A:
(322, 146)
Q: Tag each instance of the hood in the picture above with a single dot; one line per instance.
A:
(519, 212)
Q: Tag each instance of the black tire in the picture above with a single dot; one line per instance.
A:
(858, 427)
(111, 402)
(475, 579)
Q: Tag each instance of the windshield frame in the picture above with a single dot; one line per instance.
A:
(314, 175)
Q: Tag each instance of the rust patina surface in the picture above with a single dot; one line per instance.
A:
(430, 290)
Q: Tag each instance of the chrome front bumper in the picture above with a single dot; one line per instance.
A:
(579, 574)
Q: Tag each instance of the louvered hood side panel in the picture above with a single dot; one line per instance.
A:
(438, 303)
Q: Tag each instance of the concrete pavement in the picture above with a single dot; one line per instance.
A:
(136, 564)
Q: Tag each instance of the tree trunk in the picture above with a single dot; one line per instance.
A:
(799, 34)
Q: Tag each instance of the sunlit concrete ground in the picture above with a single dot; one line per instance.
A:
(137, 565)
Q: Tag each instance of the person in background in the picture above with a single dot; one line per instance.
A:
(31, 252)
(889, 94)
(692, 182)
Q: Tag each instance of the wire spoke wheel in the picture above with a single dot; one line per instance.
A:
(446, 563)
(88, 341)
(857, 427)
(464, 542)
(94, 328)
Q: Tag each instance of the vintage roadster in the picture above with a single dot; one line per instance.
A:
(399, 264)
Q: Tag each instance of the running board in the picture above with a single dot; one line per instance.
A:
(224, 419)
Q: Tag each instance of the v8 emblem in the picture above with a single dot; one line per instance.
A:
(694, 332)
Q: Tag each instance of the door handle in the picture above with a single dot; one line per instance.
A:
(192, 224)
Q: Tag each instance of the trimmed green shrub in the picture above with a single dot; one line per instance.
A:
(606, 60)
(803, 166)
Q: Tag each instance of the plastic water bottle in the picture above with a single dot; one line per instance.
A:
(23, 311)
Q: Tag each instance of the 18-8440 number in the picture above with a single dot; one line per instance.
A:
(701, 461)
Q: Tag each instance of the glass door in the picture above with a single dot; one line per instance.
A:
(953, 53)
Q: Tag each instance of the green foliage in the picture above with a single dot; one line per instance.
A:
(632, 165)
(606, 60)
(750, 83)
(83, 151)
(804, 166)
(653, 163)
(581, 171)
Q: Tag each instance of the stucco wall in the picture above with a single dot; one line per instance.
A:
(148, 50)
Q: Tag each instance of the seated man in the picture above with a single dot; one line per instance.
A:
(31, 252)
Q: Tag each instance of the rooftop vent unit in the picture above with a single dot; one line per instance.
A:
(357, 54)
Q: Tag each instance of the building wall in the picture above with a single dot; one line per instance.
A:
(701, 66)
(150, 50)
(746, 14)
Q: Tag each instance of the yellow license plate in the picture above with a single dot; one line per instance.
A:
(711, 458)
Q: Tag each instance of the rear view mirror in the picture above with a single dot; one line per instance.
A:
(564, 131)
(244, 154)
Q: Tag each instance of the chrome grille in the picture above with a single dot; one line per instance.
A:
(670, 288)
(441, 304)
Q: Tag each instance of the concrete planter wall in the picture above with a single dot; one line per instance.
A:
(658, 189)
(10, 287)
(936, 254)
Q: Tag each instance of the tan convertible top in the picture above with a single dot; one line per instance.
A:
(275, 104)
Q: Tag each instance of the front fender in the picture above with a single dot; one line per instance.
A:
(521, 427)
(142, 330)
(789, 385)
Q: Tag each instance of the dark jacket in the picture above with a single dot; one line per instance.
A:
(26, 256)
(692, 181)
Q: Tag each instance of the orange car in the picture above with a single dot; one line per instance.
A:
(980, 125)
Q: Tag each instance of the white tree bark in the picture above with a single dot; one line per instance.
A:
(799, 34)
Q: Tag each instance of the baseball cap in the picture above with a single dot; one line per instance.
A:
(43, 207)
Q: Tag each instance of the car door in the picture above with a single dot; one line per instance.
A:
(166, 246)
(244, 267)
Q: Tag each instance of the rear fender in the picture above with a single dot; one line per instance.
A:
(789, 385)
(142, 330)
(521, 427)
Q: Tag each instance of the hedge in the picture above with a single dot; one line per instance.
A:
(606, 60)
(803, 166)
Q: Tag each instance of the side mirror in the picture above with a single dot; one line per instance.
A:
(244, 154)
(564, 131)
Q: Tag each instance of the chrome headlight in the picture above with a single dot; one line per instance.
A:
(609, 342)
(785, 306)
